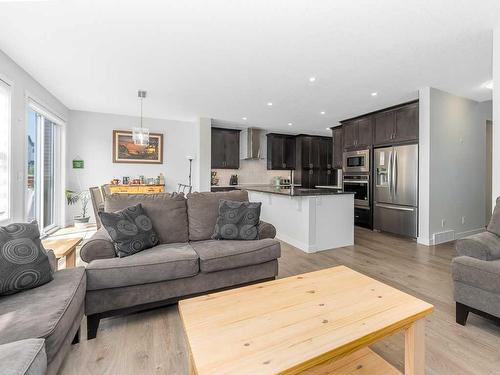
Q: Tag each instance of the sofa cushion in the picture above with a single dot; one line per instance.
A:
(48, 311)
(168, 213)
(494, 224)
(203, 209)
(160, 263)
(23, 357)
(237, 221)
(479, 273)
(217, 255)
(131, 230)
(24, 263)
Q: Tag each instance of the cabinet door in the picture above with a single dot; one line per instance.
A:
(338, 147)
(365, 132)
(325, 153)
(350, 134)
(289, 152)
(406, 128)
(306, 149)
(218, 156)
(275, 150)
(384, 128)
(232, 149)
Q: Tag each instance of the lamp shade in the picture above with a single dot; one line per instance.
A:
(140, 136)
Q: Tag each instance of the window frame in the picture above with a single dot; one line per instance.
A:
(8, 86)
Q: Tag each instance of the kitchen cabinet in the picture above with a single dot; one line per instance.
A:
(358, 133)
(338, 147)
(314, 161)
(280, 151)
(396, 125)
(225, 148)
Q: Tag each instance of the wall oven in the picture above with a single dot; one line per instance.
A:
(357, 161)
(360, 186)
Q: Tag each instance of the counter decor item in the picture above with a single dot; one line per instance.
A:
(233, 180)
(126, 151)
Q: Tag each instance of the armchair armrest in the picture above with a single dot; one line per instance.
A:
(99, 246)
(484, 246)
(266, 230)
(52, 260)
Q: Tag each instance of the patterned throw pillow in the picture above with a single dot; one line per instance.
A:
(130, 229)
(237, 221)
(24, 263)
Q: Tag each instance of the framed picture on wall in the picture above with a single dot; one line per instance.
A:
(126, 151)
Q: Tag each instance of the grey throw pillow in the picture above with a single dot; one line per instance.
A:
(237, 221)
(24, 264)
(494, 225)
(130, 229)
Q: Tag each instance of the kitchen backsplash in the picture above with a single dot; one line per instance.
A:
(250, 172)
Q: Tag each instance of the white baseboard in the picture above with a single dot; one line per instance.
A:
(457, 236)
(299, 245)
(469, 233)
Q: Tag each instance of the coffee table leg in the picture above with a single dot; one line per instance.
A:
(71, 259)
(415, 348)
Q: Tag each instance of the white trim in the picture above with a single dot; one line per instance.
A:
(467, 233)
(8, 89)
(39, 106)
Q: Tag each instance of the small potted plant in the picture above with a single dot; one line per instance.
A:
(82, 197)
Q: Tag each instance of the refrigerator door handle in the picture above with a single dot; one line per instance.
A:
(395, 172)
(389, 172)
(390, 207)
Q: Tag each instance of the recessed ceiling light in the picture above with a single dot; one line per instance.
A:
(328, 129)
(322, 112)
(290, 124)
(269, 104)
(312, 79)
(244, 118)
(374, 93)
(488, 85)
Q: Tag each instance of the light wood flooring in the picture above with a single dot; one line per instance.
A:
(153, 342)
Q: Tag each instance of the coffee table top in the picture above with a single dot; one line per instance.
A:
(62, 246)
(289, 325)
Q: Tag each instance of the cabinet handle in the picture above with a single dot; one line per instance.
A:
(311, 165)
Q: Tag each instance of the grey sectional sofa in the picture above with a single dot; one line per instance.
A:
(476, 273)
(38, 326)
(186, 262)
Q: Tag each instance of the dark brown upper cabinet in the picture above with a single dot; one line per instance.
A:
(314, 161)
(338, 147)
(225, 148)
(358, 133)
(280, 151)
(397, 125)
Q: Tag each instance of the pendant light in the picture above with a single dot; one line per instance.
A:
(140, 135)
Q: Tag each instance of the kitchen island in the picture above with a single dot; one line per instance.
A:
(309, 219)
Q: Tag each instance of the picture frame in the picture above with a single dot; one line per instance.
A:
(125, 151)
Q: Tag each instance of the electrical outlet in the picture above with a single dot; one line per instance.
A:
(463, 219)
(442, 223)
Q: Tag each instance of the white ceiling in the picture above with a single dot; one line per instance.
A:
(226, 59)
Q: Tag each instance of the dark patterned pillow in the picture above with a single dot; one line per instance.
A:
(24, 263)
(130, 229)
(237, 221)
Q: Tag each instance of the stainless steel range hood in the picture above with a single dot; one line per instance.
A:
(250, 144)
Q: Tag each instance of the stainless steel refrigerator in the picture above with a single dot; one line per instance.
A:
(395, 207)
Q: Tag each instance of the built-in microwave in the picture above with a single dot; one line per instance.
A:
(357, 161)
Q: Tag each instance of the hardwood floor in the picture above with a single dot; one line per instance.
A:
(153, 342)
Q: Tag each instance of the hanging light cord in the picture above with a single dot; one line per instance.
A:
(141, 111)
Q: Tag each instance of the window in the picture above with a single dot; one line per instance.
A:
(43, 190)
(4, 151)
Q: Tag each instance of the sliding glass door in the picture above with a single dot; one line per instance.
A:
(43, 176)
(4, 150)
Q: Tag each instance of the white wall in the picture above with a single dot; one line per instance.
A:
(452, 164)
(90, 137)
(496, 117)
(22, 86)
(204, 157)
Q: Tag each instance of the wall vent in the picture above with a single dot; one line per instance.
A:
(442, 237)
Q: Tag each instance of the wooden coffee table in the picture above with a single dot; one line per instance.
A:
(64, 247)
(316, 323)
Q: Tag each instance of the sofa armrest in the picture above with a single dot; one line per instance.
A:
(99, 246)
(266, 230)
(484, 246)
(52, 260)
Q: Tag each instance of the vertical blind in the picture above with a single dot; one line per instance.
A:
(4, 149)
